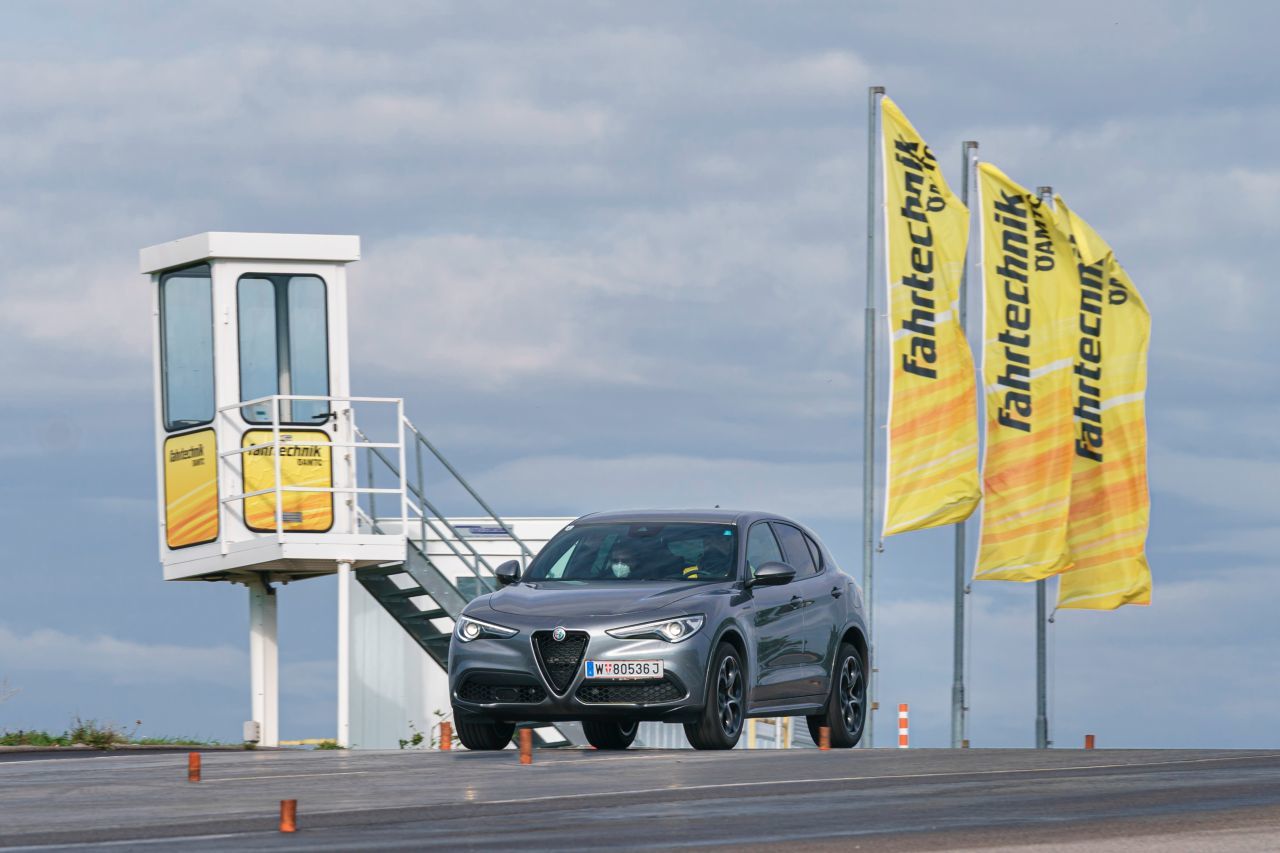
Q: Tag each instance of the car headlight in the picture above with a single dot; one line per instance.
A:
(469, 629)
(672, 630)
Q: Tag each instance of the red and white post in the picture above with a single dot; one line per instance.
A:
(903, 728)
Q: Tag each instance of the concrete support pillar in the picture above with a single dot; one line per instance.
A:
(264, 658)
(344, 654)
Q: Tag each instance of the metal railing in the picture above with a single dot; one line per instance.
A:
(414, 509)
(342, 412)
(421, 441)
(426, 516)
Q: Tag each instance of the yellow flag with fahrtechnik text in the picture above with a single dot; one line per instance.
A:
(932, 477)
(1110, 504)
(1030, 292)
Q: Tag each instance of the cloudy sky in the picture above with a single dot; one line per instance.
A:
(614, 257)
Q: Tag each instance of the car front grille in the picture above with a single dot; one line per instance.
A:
(560, 659)
(630, 693)
(488, 694)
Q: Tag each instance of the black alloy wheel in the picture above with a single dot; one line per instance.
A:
(483, 735)
(610, 734)
(846, 711)
(720, 724)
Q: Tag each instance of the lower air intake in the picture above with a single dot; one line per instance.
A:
(630, 694)
(489, 694)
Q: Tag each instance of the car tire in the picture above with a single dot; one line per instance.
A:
(725, 709)
(610, 734)
(484, 735)
(846, 711)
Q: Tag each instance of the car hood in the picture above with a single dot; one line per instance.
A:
(574, 598)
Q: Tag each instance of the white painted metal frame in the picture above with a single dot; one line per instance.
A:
(264, 661)
(348, 431)
(218, 245)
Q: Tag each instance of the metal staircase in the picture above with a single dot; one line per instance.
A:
(422, 596)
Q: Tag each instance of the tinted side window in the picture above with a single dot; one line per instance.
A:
(761, 547)
(816, 552)
(797, 550)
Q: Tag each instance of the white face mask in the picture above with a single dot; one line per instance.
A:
(620, 569)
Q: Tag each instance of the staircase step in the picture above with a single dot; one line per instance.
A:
(425, 615)
(402, 594)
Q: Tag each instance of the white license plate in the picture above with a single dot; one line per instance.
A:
(624, 669)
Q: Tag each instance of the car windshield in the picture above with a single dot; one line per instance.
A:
(638, 551)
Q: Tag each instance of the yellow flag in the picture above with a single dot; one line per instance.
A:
(1031, 296)
(933, 418)
(1110, 506)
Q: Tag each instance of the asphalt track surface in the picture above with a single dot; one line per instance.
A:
(1132, 800)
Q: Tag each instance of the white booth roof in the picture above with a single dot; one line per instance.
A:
(331, 248)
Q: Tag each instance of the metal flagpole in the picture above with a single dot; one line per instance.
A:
(1042, 665)
(969, 151)
(874, 93)
(1042, 679)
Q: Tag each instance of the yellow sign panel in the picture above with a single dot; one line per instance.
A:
(1031, 299)
(302, 463)
(933, 406)
(1110, 506)
(190, 489)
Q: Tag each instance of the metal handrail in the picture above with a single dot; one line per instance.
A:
(463, 482)
(431, 517)
(330, 444)
(276, 428)
(427, 505)
(480, 558)
(336, 490)
(375, 527)
(312, 397)
(474, 568)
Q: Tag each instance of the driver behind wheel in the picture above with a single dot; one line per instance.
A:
(715, 563)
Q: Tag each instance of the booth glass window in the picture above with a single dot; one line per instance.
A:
(186, 347)
(256, 309)
(284, 345)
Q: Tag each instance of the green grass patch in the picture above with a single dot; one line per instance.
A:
(32, 738)
(95, 734)
(98, 735)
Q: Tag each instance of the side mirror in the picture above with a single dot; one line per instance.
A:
(773, 574)
(508, 572)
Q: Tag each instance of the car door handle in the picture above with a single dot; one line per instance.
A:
(836, 592)
(796, 602)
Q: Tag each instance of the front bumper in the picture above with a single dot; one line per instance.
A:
(505, 679)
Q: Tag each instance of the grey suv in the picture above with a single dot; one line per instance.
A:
(700, 617)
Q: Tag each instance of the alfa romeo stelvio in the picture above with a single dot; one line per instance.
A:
(703, 618)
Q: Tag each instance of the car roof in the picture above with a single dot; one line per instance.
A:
(713, 516)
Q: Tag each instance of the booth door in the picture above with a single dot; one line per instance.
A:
(284, 349)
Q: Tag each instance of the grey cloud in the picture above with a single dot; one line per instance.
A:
(110, 659)
(575, 485)
(1245, 487)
